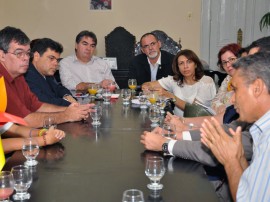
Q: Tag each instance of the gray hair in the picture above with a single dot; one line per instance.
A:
(254, 67)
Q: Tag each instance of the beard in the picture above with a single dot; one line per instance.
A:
(153, 55)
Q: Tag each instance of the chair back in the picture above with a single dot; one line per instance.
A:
(120, 44)
(167, 43)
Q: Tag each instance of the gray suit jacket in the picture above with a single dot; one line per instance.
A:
(195, 150)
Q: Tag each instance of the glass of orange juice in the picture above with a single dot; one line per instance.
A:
(152, 97)
(92, 89)
(132, 84)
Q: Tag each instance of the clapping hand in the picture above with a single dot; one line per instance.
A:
(225, 147)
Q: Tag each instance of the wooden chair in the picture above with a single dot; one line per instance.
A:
(120, 44)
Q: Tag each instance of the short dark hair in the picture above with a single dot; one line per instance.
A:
(190, 55)
(147, 34)
(41, 46)
(262, 43)
(87, 34)
(255, 66)
(9, 34)
(232, 47)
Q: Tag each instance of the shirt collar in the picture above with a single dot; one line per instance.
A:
(260, 127)
(75, 59)
(5, 73)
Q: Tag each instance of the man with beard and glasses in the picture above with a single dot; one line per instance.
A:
(153, 63)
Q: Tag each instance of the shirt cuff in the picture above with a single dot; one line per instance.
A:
(186, 135)
(170, 146)
(5, 127)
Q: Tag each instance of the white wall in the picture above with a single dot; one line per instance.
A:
(62, 20)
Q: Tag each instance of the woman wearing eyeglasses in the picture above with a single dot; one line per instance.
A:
(226, 57)
(189, 84)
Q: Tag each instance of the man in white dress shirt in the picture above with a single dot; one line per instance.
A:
(82, 68)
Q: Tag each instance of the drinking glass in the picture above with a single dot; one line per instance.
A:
(161, 102)
(106, 94)
(6, 185)
(154, 115)
(152, 97)
(96, 114)
(125, 94)
(112, 86)
(143, 100)
(92, 89)
(99, 91)
(155, 170)
(30, 151)
(133, 195)
(168, 130)
(48, 122)
(22, 181)
(132, 84)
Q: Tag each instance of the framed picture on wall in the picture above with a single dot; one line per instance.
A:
(100, 4)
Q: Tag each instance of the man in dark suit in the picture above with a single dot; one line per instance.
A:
(153, 64)
(40, 75)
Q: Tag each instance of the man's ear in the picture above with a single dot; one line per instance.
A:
(142, 50)
(36, 56)
(258, 87)
(159, 44)
(2, 56)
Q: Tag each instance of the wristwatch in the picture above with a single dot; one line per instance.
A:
(165, 147)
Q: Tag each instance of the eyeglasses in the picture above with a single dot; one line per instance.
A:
(20, 54)
(230, 60)
(52, 58)
(149, 45)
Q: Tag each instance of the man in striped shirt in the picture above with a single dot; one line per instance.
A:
(251, 84)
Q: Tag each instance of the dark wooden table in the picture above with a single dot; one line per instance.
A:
(99, 164)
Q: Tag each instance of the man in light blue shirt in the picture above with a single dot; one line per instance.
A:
(251, 98)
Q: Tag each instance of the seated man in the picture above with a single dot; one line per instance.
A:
(153, 64)
(40, 74)
(14, 62)
(252, 101)
(82, 68)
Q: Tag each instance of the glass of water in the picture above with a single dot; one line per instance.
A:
(96, 114)
(106, 94)
(22, 181)
(168, 130)
(126, 94)
(30, 151)
(154, 115)
(133, 195)
(48, 122)
(161, 102)
(155, 170)
(143, 100)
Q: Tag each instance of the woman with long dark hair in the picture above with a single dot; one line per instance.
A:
(189, 84)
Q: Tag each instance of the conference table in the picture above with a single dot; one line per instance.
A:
(98, 164)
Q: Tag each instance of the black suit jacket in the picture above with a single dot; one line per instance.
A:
(47, 90)
(139, 68)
